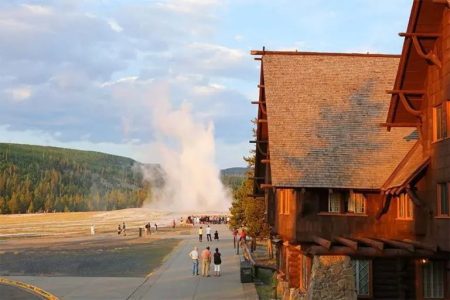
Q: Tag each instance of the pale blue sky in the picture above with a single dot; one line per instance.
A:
(81, 73)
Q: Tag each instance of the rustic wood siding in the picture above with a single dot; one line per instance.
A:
(286, 223)
(310, 222)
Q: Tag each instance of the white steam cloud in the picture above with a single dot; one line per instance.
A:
(187, 150)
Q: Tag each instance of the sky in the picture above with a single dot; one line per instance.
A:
(86, 74)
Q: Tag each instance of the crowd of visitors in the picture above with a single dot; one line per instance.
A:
(214, 219)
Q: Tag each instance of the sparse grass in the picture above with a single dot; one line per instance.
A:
(264, 284)
(121, 260)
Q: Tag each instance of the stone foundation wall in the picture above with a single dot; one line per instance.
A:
(332, 278)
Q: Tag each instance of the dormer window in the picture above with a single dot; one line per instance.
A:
(344, 201)
(404, 207)
(334, 201)
(356, 203)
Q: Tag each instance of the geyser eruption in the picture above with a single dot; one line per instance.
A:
(187, 150)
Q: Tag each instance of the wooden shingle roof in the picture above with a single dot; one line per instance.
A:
(409, 167)
(324, 113)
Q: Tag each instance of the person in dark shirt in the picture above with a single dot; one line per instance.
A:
(217, 262)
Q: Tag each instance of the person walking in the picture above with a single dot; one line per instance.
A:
(124, 229)
(216, 235)
(235, 233)
(208, 234)
(194, 256)
(206, 262)
(119, 230)
(217, 262)
(200, 234)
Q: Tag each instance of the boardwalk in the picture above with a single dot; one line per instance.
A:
(173, 280)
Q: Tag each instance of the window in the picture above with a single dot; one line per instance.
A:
(443, 199)
(361, 270)
(404, 207)
(356, 203)
(433, 279)
(284, 200)
(334, 202)
(304, 280)
(440, 126)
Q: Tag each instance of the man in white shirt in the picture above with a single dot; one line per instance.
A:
(208, 234)
(194, 255)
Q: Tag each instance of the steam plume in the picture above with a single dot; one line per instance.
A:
(187, 150)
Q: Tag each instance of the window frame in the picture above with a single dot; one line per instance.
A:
(358, 200)
(405, 205)
(432, 282)
(441, 121)
(356, 264)
(283, 199)
(338, 201)
(443, 186)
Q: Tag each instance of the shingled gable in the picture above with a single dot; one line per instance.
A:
(413, 163)
(424, 23)
(324, 113)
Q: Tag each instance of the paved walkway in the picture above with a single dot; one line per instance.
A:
(15, 293)
(172, 281)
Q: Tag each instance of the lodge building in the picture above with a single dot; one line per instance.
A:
(353, 163)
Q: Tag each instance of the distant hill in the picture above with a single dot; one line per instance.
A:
(233, 177)
(38, 178)
(44, 179)
(236, 171)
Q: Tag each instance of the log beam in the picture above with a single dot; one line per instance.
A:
(385, 208)
(429, 247)
(420, 35)
(407, 92)
(322, 242)
(263, 153)
(265, 161)
(258, 142)
(372, 243)
(399, 124)
(397, 244)
(408, 106)
(266, 186)
(349, 243)
(414, 198)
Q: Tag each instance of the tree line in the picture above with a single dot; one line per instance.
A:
(48, 179)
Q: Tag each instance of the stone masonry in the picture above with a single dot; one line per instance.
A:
(332, 278)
